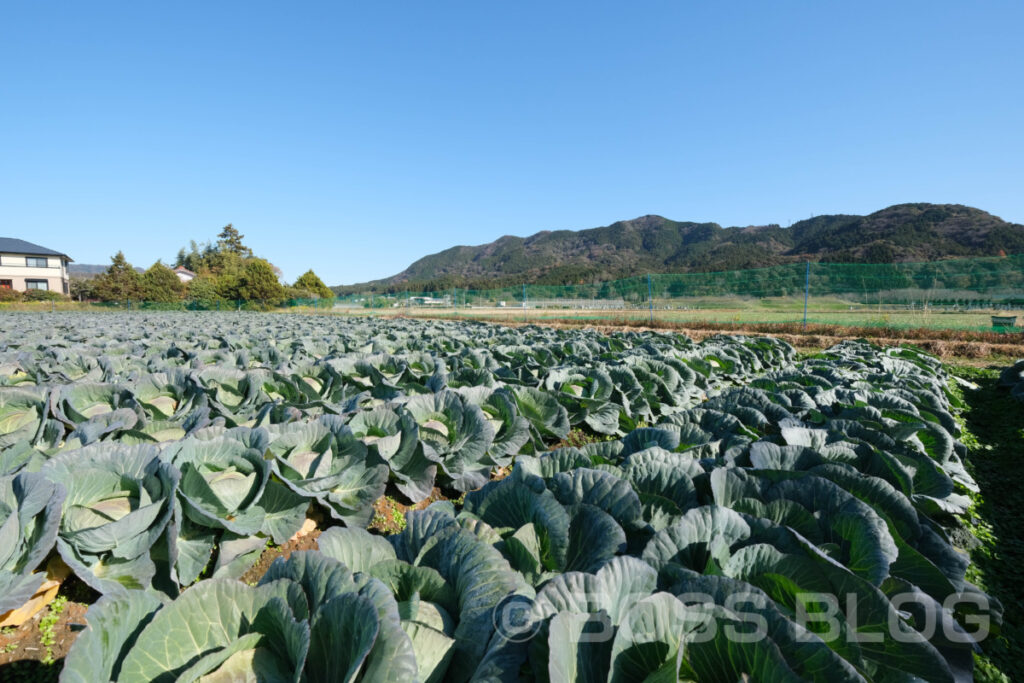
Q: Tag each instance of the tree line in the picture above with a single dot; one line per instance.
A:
(225, 271)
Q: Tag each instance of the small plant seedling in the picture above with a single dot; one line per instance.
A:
(47, 636)
(398, 519)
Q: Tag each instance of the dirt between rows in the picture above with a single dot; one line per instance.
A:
(943, 348)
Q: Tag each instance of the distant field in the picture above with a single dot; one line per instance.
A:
(724, 311)
(733, 311)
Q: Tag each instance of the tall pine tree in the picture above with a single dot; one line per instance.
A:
(314, 285)
(120, 282)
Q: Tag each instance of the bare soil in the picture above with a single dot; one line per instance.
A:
(256, 572)
(389, 511)
(35, 650)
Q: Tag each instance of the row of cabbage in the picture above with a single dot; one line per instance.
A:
(185, 472)
(628, 559)
(832, 476)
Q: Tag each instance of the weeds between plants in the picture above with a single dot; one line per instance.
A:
(994, 434)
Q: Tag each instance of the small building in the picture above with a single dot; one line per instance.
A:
(184, 274)
(25, 266)
(437, 302)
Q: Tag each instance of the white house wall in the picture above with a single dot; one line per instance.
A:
(55, 275)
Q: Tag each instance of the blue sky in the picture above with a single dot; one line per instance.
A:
(353, 138)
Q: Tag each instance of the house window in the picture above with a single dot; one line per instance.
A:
(6, 284)
(37, 284)
(36, 262)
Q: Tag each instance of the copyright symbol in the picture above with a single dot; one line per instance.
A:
(514, 619)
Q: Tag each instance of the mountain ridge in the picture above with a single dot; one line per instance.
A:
(652, 243)
(86, 271)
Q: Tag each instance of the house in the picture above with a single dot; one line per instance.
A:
(184, 274)
(24, 266)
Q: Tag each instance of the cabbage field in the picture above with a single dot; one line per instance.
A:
(728, 511)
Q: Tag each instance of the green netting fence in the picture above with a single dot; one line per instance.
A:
(977, 293)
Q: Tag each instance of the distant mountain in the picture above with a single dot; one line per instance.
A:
(653, 244)
(88, 270)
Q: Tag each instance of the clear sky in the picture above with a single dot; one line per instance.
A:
(355, 137)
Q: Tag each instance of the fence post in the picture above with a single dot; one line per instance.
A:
(650, 297)
(807, 290)
(524, 302)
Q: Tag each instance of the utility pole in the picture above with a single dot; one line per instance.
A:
(807, 290)
(650, 297)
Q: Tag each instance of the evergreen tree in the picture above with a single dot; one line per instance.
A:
(258, 283)
(230, 241)
(159, 283)
(120, 282)
(81, 289)
(204, 292)
(314, 285)
(227, 269)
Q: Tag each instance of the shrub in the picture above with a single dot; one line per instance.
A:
(160, 284)
(42, 295)
(204, 293)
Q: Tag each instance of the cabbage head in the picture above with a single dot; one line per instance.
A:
(323, 460)
(29, 519)
(119, 501)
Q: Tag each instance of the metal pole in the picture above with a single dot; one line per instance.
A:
(807, 290)
(524, 302)
(650, 297)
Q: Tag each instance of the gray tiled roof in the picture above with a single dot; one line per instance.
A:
(10, 245)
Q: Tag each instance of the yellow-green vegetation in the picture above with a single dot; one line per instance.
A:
(47, 637)
(579, 437)
(398, 519)
(388, 517)
(993, 431)
(730, 311)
